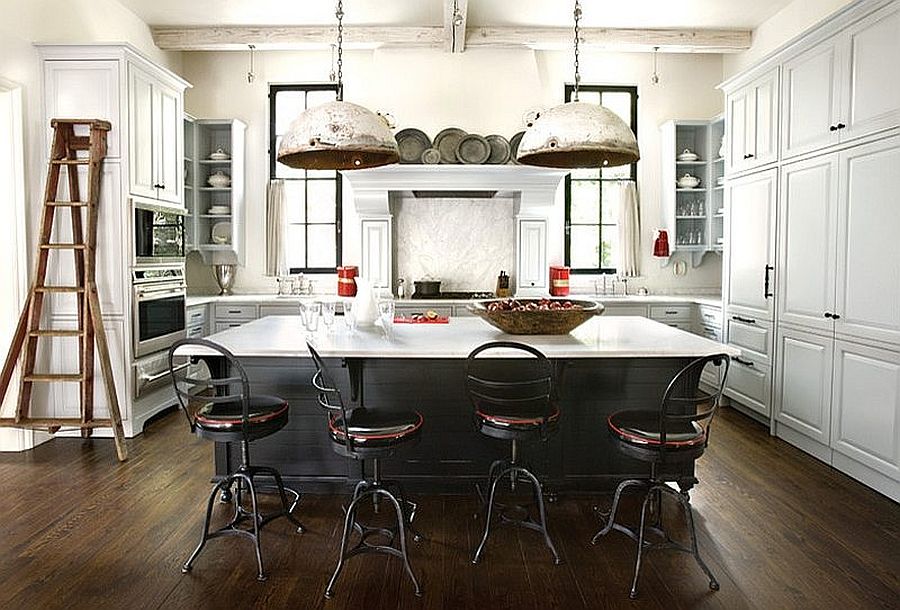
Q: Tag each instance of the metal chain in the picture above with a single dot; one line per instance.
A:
(339, 13)
(577, 15)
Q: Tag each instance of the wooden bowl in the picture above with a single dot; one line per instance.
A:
(537, 321)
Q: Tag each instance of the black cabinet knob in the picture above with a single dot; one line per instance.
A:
(833, 128)
(840, 125)
(835, 316)
(828, 314)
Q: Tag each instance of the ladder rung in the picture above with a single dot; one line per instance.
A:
(59, 289)
(70, 161)
(56, 333)
(44, 422)
(69, 204)
(62, 246)
(50, 377)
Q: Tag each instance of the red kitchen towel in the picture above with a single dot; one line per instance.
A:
(422, 320)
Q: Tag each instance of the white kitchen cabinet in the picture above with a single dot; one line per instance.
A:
(810, 98)
(375, 252)
(803, 385)
(868, 247)
(843, 88)
(750, 238)
(532, 272)
(752, 124)
(808, 215)
(866, 415)
(749, 383)
(155, 138)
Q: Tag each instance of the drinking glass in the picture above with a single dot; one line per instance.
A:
(386, 313)
(349, 316)
(328, 315)
(309, 313)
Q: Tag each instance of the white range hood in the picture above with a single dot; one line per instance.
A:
(532, 188)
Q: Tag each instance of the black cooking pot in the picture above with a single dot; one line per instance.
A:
(427, 288)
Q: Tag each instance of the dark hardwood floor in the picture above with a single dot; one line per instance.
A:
(779, 529)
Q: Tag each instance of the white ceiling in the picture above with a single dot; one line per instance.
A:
(597, 13)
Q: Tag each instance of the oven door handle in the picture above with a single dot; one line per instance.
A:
(151, 295)
(148, 379)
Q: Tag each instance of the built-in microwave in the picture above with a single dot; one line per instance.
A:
(158, 233)
(158, 308)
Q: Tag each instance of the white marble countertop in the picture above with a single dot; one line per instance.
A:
(614, 337)
(194, 300)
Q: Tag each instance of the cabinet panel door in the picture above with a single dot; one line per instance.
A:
(750, 227)
(866, 415)
(868, 291)
(376, 252)
(807, 230)
(170, 145)
(738, 110)
(532, 244)
(764, 120)
(84, 89)
(872, 90)
(141, 141)
(810, 99)
(803, 388)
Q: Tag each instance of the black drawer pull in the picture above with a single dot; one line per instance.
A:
(744, 320)
(740, 360)
(833, 128)
(669, 312)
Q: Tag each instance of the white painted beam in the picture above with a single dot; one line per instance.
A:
(303, 37)
(455, 15)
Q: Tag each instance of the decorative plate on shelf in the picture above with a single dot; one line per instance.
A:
(412, 143)
(221, 232)
(446, 141)
(514, 146)
(473, 150)
(499, 149)
(431, 156)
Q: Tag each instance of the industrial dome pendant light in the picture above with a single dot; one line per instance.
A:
(338, 135)
(578, 134)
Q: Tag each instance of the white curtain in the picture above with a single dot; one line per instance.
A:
(629, 230)
(276, 251)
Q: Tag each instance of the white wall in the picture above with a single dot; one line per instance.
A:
(481, 91)
(786, 24)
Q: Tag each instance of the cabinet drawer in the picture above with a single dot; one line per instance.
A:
(670, 312)
(220, 326)
(625, 310)
(196, 315)
(751, 334)
(235, 312)
(710, 316)
(407, 310)
(748, 383)
(679, 325)
(710, 332)
(196, 332)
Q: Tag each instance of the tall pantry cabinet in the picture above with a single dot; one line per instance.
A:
(144, 104)
(834, 304)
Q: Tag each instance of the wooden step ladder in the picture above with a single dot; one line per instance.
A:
(64, 154)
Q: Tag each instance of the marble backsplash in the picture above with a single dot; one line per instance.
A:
(463, 242)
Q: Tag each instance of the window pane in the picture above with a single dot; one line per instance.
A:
(283, 171)
(619, 172)
(294, 201)
(321, 245)
(585, 247)
(620, 103)
(612, 193)
(592, 97)
(296, 246)
(609, 253)
(315, 98)
(585, 202)
(321, 173)
(288, 104)
(321, 205)
(585, 174)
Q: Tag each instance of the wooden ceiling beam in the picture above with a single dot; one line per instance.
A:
(455, 15)
(230, 38)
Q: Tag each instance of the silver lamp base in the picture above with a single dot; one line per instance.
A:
(224, 275)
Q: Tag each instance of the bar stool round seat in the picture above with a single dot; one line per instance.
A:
(498, 422)
(375, 431)
(223, 409)
(677, 432)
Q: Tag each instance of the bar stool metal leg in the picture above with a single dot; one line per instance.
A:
(611, 516)
(539, 500)
(489, 513)
(695, 551)
(221, 485)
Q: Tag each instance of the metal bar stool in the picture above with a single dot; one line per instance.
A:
(511, 387)
(677, 432)
(224, 411)
(369, 434)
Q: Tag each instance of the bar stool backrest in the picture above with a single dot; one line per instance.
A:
(511, 378)
(685, 402)
(195, 392)
(329, 397)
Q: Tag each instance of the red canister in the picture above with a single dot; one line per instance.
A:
(347, 280)
(559, 281)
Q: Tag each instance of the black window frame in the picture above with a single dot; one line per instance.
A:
(567, 227)
(273, 161)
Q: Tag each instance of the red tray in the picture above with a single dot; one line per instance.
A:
(437, 320)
